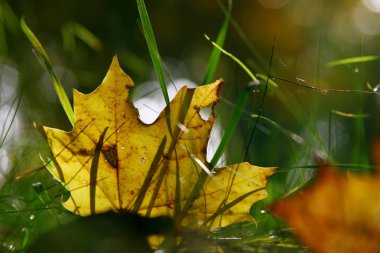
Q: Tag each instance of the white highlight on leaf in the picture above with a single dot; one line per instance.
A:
(148, 99)
(202, 165)
(183, 127)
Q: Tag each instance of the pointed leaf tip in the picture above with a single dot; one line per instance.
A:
(116, 74)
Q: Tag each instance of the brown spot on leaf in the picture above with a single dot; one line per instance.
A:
(110, 154)
(86, 152)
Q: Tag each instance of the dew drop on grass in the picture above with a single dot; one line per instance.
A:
(38, 187)
(31, 217)
(356, 70)
(254, 83)
(377, 88)
(16, 204)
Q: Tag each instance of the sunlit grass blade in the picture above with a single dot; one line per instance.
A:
(73, 29)
(47, 63)
(359, 59)
(215, 54)
(350, 115)
(234, 58)
(152, 46)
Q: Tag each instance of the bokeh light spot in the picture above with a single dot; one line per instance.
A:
(372, 5)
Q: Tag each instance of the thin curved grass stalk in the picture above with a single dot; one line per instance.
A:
(45, 61)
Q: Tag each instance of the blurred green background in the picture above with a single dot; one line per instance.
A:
(299, 126)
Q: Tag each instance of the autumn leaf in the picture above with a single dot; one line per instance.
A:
(337, 214)
(111, 160)
(376, 153)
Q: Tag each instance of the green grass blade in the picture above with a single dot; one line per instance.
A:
(72, 29)
(359, 59)
(94, 171)
(230, 130)
(46, 62)
(234, 58)
(152, 46)
(215, 54)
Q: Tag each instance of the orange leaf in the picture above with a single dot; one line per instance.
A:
(337, 214)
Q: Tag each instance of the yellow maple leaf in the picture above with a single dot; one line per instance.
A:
(110, 160)
(337, 214)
